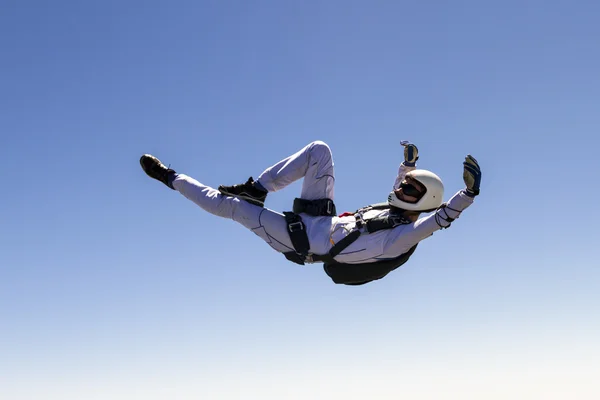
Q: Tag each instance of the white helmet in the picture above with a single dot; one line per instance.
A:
(430, 200)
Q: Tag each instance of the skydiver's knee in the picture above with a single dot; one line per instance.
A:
(321, 148)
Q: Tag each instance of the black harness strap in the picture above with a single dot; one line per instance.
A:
(377, 224)
(320, 207)
(298, 237)
(337, 248)
(297, 229)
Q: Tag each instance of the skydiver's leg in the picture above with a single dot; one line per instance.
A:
(267, 224)
(314, 163)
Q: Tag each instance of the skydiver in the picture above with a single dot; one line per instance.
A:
(355, 248)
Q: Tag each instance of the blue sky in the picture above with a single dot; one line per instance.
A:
(112, 286)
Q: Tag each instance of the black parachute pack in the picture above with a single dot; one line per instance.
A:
(359, 274)
(342, 273)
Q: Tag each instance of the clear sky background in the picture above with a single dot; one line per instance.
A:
(114, 287)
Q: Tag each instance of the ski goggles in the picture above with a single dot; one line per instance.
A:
(410, 190)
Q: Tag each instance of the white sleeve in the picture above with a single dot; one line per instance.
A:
(402, 171)
(403, 237)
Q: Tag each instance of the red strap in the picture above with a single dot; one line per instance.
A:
(346, 214)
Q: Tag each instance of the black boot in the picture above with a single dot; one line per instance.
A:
(246, 191)
(157, 170)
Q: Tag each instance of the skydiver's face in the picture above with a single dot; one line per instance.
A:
(410, 190)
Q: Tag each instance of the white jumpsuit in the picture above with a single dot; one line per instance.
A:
(314, 163)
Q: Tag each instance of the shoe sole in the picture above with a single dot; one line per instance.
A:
(149, 157)
(241, 196)
(145, 168)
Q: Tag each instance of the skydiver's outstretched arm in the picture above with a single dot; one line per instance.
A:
(406, 236)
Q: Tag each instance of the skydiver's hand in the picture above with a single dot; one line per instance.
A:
(411, 153)
(471, 175)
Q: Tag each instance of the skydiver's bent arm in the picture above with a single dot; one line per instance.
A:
(403, 169)
(403, 237)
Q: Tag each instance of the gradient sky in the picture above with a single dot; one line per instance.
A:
(114, 287)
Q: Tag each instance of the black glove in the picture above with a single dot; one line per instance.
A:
(471, 175)
(411, 153)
